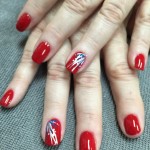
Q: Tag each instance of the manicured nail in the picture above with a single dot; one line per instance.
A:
(87, 141)
(76, 62)
(140, 62)
(23, 22)
(41, 52)
(53, 133)
(131, 124)
(7, 98)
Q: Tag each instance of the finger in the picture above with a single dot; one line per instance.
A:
(108, 19)
(24, 73)
(26, 69)
(67, 20)
(140, 41)
(130, 21)
(88, 106)
(32, 13)
(124, 85)
(56, 98)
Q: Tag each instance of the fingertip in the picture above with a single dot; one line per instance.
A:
(23, 22)
(7, 98)
(41, 52)
(52, 132)
(137, 61)
(132, 126)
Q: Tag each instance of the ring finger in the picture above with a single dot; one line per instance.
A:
(124, 84)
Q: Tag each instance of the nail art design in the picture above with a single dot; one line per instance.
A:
(140, 62)
(23, 22)
(7, 98)
(87, 141)
(53, 133)
(76, 62)
(41, 52)
(131, 124)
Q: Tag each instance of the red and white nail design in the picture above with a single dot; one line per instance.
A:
(76, 62)
(23, 22)
(87, 141)
(53, 133)
(140, 62)
(7, 98)
(41, 52)
(131, 124)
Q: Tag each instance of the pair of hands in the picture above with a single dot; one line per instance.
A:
(123, 82)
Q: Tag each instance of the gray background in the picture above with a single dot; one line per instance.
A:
(20, 126)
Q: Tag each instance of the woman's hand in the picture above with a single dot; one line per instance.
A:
(72, 14)
(88, 95)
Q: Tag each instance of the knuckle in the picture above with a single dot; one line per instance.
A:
(57, 72)
(79, 6)
(57, 104)
(88, 115)
(56, 33)
(121, 72)
(26, 58)
(36, 7)
(142, 42)
(21, 78)
(38, 30)
(88, 79)
(144, 18)
(113, 12)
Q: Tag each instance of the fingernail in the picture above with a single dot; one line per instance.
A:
(87, 141)
(53, 133)
(7, 98)
(76, 62)
(140, 62)
(131, 124)
(41, 52)
(23, 22)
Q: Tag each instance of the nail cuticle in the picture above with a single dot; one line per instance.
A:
(23, 22)
(7, 98)
(87, 141)
(131, 124)
(41, 52)
(53, 132)
(140, 62)
(76, 62)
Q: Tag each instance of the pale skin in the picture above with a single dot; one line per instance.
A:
(71, 15)
(123, 81)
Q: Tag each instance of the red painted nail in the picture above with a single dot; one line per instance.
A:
(87, 141)
(41, 52)
(7, 98)
(76, 62)
(23, 22)
(53, 133)
(131, 124)
(140, 62)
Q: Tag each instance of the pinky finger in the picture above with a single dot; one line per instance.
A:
(140, 41)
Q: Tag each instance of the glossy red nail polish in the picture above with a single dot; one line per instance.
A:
(131, 124)
(23, 22)
(87, 141)
(41, 52)
(76, 62)
(7, 98)
(53, 132)
(140, 62)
